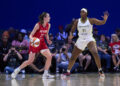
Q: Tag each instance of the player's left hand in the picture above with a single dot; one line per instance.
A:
(106, 14)
(49, 42)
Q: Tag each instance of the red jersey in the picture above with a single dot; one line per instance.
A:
(41, 32)
(115, 47)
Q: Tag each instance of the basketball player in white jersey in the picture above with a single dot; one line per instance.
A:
(84, 26)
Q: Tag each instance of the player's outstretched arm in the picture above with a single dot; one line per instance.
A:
(100, 22)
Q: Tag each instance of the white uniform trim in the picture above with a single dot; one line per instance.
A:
(84, 9)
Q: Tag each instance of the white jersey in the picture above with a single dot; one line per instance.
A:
(84, 29)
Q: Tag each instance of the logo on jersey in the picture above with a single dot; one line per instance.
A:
(43, 31)
(86, 26)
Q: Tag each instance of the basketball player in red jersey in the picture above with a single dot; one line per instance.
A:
(40, 31)
(84, 26)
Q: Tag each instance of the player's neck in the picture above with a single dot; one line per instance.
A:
(83, 20)
(44, 24)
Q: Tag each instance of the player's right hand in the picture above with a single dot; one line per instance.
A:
(31, 37)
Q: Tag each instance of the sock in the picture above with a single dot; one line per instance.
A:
(18, 69)
(68, 71)
(99, 69)
(46, 72)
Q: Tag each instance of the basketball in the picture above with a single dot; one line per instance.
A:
(34, 42)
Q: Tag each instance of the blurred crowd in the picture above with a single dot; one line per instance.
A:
(14, 46)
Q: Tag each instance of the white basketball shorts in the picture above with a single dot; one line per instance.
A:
(82, 43)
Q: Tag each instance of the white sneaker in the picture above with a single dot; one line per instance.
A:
(14, 74)
(47, 76)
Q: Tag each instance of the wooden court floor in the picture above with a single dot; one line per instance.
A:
(91, 79)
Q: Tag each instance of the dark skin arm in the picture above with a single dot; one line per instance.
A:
(73, 29)
(99, 22)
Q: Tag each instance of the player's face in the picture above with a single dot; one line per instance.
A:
(47, 18)
(83, 14)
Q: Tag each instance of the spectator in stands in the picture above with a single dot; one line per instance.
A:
(63, 60)
(12, 58)
(102, 50)
(69, 26)
(53, 45)
(117, 31)
(26, 36)
(95, 34)
(70, 45)
(4, 47)
(21, 45)
(115, 47)
(12, 33)
(85, 55)
(61, 36)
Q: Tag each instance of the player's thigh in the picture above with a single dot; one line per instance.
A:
(92, 47)
(31, 57)
(46, 53)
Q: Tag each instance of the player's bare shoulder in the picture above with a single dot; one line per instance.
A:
(91, 20)
(37, 26)
(49, 25)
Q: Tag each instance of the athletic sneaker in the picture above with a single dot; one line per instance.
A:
(116, 69)
(47, 76)
(101, 73)
(14, 74)
(67, 74)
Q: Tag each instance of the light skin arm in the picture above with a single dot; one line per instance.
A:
(99, 22)
(47, 35)
(35, 68)
(100, 49)
(6, 56)
(18, 54)
(104, 51)
(36, 27)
